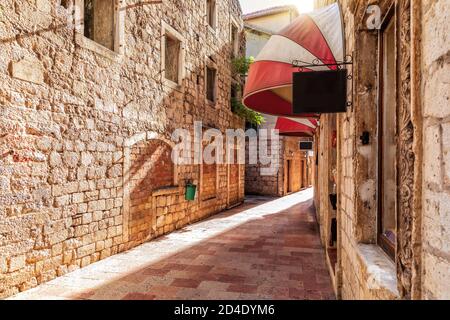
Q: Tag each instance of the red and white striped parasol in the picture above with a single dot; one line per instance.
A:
(312, 37)
(299, 127)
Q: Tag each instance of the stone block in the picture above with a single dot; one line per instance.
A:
(55, 159)
(160, 221)
(62, 201)
(436, 93)
(44, 5)
(97, 215)
(68, 256)
(58, 237)
(104, 193)
(435, 31)
(77, 198)
(87, 218)
(29, 284)
(3, 265)
(433, 155)
(87, 158)
(38, 255)
(85, 261)
(105, 253)
(436, 279)
(71, 159)
(17, 263)
(28, 70)
(97, 205)
(62, 270)
(86, 250)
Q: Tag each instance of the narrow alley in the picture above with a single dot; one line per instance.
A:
(224, 150)
(265, 249)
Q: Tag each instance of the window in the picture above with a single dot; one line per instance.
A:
(387, 131)
(211, 13)
(99, 22)
(211, 75)
(172, 56)
(102, 27)
(172, 52)
(234, 41)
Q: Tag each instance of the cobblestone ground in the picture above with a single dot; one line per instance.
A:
(265, 249)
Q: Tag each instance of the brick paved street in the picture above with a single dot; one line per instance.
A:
(265, 249)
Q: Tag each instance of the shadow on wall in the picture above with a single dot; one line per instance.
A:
(151, 169)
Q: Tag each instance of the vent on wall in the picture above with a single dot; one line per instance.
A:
(306, 145)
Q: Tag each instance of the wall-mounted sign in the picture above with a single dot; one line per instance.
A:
(320, 91)
(306, 145)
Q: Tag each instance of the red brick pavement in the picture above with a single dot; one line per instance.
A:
(277, 257)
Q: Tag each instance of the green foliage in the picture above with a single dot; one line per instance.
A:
(249, 115)
(241, 67)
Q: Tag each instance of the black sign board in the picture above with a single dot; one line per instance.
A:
(320, 92)
(306, 145)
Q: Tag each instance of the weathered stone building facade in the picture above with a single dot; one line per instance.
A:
(401, 67)
(293, 171)
(87, 108)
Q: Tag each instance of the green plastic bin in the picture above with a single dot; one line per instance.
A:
(191, 189)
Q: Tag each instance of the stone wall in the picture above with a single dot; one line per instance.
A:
(421, 266)
(363, 270)
(276, 184)
(76, 120)
(262, 184)
(435, 71)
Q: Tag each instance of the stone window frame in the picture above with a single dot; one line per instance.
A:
(235, 46)
(119, 32)
(168, 29)
(214, 28)
(210, 64)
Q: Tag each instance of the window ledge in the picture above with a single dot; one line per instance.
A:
(212, 104)
(212, 29)
(172, 85)
(93, 46)
(380, 270)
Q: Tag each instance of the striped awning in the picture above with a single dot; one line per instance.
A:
(312, 37)
(298, 127)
